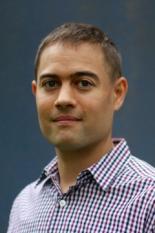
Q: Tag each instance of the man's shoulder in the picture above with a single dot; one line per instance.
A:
(22, 203)
(141, 168)
(26, 193)
(136, 175)
(31, 191)
(136, 181)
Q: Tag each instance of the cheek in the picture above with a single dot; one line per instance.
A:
(44, 106)
(101, 108)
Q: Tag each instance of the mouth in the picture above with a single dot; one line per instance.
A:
(66, 119)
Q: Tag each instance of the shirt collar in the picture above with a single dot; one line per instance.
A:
(50, 170)
(110, 165)
(104, 171)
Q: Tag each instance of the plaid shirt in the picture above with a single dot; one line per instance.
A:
(115, 195)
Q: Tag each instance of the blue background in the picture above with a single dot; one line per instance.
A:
(23, 151)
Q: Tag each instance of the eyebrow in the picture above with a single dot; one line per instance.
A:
(85, 73)
(77, 74)
(48, 75)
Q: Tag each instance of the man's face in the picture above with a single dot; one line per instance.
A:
(75, 97)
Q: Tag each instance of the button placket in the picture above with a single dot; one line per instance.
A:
(62, 203)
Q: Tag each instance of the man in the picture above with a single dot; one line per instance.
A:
(94, 184)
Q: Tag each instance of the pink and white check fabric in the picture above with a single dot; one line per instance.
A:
(115, 195)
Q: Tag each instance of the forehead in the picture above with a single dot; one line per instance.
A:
(69, 56)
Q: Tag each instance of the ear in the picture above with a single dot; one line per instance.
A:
(34, 87)
(120, 91)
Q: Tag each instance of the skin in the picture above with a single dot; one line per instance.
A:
(76, 101)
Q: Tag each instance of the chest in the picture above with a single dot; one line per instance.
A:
(84, 210)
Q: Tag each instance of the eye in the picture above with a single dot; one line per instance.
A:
(50, 84)
(85, 84)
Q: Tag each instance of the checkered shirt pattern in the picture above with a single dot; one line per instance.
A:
(115, 195)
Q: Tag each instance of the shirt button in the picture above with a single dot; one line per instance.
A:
(62, 203)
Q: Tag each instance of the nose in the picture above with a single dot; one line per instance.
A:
(65, 98)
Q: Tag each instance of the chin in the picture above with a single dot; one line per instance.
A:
(66, 145)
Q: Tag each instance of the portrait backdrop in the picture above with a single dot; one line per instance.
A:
(23, 151)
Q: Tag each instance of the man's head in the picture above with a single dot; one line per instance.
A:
(78, 87)
(78, 33)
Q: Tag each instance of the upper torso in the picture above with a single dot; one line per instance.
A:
(116, 195)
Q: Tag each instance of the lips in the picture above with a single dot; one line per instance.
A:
(66, 118)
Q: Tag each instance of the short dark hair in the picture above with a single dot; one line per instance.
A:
(77, 33)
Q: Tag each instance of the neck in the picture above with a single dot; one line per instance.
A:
(72, 163)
